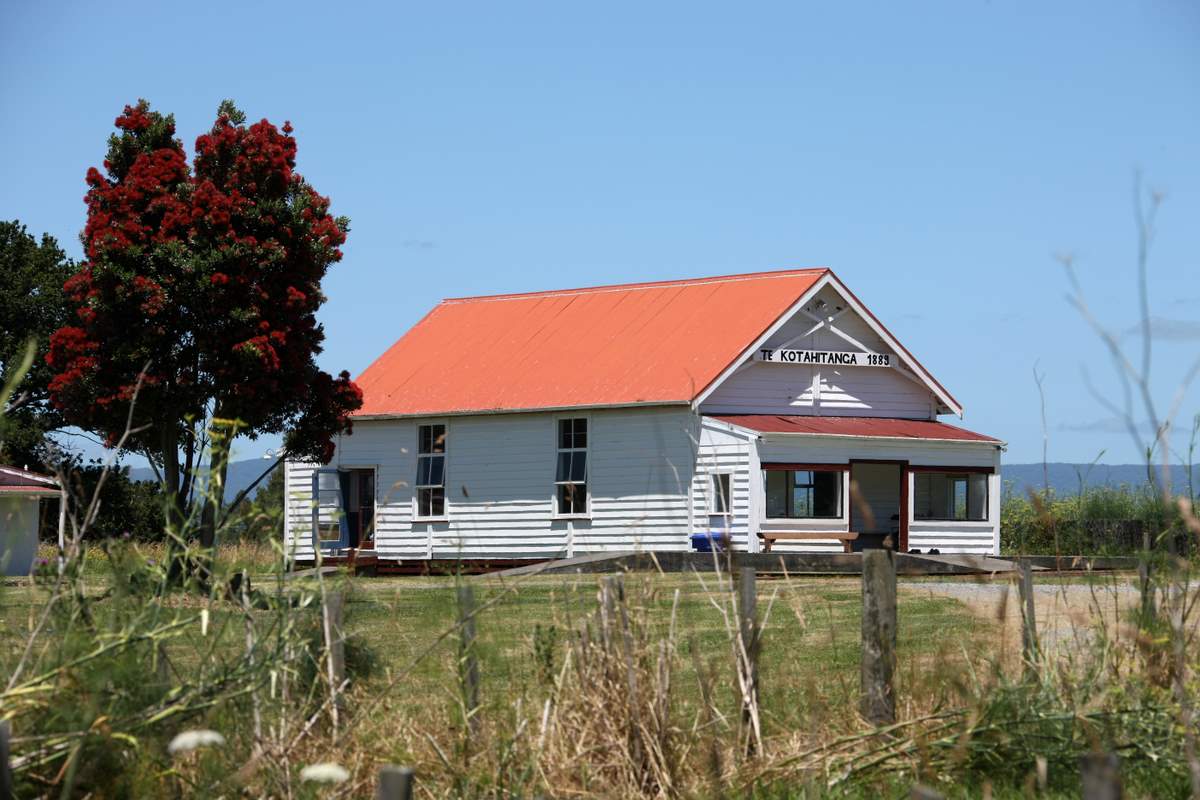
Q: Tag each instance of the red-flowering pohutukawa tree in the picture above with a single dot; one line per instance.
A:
(199, 294)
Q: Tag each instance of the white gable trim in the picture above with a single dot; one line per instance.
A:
(829, 279)
(895, 345)
(30, 476)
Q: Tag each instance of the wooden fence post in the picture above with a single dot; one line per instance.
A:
(335, 607)
(748, 629)
(1101, 776)
(467, 657)
(337, 644)
(6, 777)
(1029, 638)
(395, 783)
(1144, 579)
(878, 637)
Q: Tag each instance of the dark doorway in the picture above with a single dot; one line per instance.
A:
(877, 506)
(358, 493)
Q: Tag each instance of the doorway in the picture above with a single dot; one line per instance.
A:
(358, 496)
(877, 507)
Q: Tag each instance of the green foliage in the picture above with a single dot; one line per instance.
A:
(32, 305)
(1100, 521)
(129, 509)
(261, 519)
(118, 662)
(545, 652)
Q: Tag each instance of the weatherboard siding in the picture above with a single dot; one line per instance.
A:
(843, 449)
(297, 522)
(500, 486)
(649, 481)
(723, 450)
(762, 388)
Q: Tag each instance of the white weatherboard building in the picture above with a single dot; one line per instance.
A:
(773, 406)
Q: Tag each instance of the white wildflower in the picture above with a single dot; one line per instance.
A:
(327, 772)
(190, 740)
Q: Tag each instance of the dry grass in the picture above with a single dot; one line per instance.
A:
(632, 698)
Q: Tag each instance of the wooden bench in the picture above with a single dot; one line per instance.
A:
(845, 537)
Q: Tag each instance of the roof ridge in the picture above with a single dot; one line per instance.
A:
(621, 287)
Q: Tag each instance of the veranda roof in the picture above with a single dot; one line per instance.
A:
(858, 427)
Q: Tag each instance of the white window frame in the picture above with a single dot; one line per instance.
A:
(714, 484)
(417, 486)
(555, 482)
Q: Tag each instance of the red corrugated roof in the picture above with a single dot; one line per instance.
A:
(604, 346)
(21, 481)
(875, 427)
(28, 491)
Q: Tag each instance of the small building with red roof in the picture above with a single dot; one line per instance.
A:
(21, 501)
(772, 408)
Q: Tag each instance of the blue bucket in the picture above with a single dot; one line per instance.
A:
(708, 542)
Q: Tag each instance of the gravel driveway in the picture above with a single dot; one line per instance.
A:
(1067, 611)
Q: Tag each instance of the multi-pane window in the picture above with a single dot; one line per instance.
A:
(804, 494)
(951, 496)
(722, 494)
(431, 471)
(570, 477)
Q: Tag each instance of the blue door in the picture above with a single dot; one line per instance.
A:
(331, 530)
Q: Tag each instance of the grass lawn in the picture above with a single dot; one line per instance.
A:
(808, 667)
(809, 661)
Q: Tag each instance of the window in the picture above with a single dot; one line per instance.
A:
(951, 496)
(804, 494)
(722, 495)
(431, 471)
(570, 477)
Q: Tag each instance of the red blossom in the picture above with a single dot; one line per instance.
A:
(135, 118)
(210, 273)
(295, 297)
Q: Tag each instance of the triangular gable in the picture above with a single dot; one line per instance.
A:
(828, 317)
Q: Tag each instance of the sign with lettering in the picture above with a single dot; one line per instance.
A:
(824, 358)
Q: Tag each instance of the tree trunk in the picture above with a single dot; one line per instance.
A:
(172, 508)
(214, 496)
(172, 503)
(220, 441)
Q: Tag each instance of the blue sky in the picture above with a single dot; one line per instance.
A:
(936, 155)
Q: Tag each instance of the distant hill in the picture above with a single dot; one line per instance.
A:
(239, 475)
(1065, 478)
